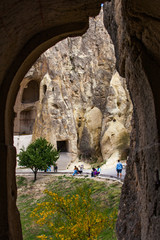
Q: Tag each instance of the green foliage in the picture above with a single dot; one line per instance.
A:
(70, 217)
(104, 196)
(75, 216)
(38, 156)
(123, 144)
(21, 181)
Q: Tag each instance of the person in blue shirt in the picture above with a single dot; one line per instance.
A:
(98, 169)
(119, 168)
(75, 171)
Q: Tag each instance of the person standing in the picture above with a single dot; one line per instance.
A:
(75, 171)
(55, 168)
(119, 168)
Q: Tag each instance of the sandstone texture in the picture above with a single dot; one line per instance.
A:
(83, 102)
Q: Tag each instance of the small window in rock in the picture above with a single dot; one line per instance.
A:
(118, 104)
(55, 106)
(79, 124)
(53, 89)
(44, 89)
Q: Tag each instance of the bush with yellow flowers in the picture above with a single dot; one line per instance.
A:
(71, 217)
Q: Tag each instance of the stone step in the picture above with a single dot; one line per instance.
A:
(64, 160)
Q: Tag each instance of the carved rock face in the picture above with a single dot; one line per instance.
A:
(81, 95)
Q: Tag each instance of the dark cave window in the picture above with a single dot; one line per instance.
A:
(62, 146)
(44, 89)
(31, 92)
(27, 119)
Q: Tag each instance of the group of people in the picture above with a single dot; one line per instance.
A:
(78, 170)
(95, 172)
(55, 167)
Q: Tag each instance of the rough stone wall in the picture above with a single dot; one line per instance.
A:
(134, 28)
(27, 29)
(78, 100)
(116, 120)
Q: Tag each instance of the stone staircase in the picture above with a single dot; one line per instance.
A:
(64, 160)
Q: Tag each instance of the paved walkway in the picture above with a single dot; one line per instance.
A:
(106, 173)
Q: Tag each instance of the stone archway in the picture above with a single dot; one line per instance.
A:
(27, 118)
(35, 28)
(31, 92)
(134, 26)
(26, 106)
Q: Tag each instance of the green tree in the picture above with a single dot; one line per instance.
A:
(38, 156)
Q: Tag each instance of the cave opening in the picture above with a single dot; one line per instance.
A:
(62, 146)
(27, 118)
(31, 92)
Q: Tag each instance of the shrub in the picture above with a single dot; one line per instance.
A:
(71, 217)
(21, 181)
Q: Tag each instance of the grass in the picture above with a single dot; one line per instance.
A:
(105, 194)
(21, 181)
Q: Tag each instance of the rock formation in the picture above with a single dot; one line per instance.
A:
(84, 104)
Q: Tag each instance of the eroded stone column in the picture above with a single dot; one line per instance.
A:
(133, 26)
(10, 227)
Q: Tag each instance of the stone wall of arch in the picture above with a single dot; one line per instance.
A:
(35, 28)
(134, 28)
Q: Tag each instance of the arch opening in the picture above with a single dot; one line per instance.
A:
(44, 89)
(62, 146)
(27, 119)
(91, 99)
(31, 92)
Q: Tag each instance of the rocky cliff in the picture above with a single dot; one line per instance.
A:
(84, 104)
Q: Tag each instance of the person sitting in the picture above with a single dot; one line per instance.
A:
(94, 173)
(80, 170)
(55, 168)
(75, 171)
(98, 169)
(49, 169)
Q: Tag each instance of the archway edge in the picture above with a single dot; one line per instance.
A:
(26, 58)
(27, 29)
